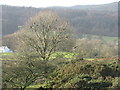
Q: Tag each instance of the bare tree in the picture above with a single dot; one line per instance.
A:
(44, 34)
(35, 43)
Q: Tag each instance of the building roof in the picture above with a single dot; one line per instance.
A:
(5, 49)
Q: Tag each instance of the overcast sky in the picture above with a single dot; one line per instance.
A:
(47, 3)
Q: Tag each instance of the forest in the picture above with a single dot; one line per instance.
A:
(97, 20)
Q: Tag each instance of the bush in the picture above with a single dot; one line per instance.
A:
(99, 84)
(84, 74)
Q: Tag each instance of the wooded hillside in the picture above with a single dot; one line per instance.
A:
(88, 19)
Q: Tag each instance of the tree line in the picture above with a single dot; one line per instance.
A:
(86, 21)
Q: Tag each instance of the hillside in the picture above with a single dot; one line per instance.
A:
(87, 19)
(107, 7)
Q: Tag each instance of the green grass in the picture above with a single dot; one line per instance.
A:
(6, 59)
(7, 56)
(105, 38)
(67, 55)
(6, 53)
(36, 86)
(110, 39)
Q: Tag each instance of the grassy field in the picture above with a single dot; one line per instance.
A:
(7, 56)
(68, 56)
(36, 86)
(104, 38)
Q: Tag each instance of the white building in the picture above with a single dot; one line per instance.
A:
(5, 49)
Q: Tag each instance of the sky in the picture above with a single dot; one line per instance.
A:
(48, 3)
